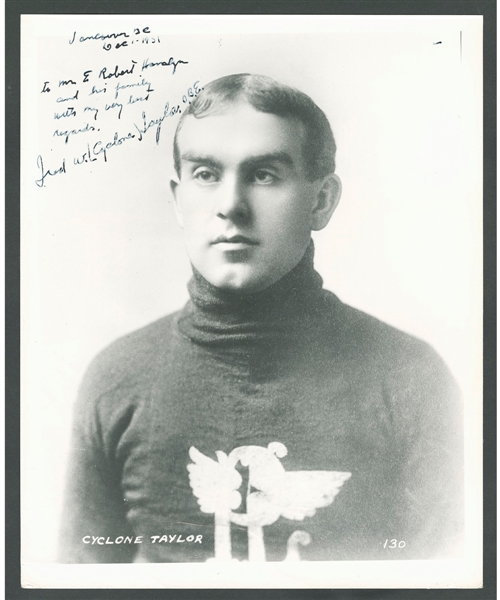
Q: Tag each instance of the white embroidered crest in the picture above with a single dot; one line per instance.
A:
(272, 492)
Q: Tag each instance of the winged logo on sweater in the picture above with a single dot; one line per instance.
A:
(271, 493)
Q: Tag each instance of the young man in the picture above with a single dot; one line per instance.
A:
(266, 420)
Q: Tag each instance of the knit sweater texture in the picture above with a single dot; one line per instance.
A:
(291, 364)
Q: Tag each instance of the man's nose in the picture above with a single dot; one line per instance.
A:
(232, 200)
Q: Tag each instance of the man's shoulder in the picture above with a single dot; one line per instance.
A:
(367, 337)
(370, 329)
(131, 356)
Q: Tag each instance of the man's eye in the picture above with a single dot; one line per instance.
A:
(262, 176)
(205, 176)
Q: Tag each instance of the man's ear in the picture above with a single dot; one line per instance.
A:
(327, 198)
(174, 186)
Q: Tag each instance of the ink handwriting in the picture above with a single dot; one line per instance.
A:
(69, 112)
(46, 173)
(170, 63)
(90, 108)
(99, 37)
(75, 97)
(142, 83)
(115, 105)
(66, 134)
(122, 36)
(102, 148)
(132, 89)
(94, 91)
(133, 100)
(116, 73)
(167, 112)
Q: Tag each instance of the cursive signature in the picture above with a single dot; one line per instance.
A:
(167, 112)
(48, 173)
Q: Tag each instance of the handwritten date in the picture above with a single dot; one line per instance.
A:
(116, 40)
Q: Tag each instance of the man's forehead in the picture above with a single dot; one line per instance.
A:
(240, 129)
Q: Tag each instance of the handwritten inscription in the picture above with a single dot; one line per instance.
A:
(68, 133)
(127, 86)
(47, 172)
(92, 109)
(117, 73)
(147, 64)
(116, 40)
(191, 93)
(75, 97)
(107, 103)
(69, 112)
(148, 123)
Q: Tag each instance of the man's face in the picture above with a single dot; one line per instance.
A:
(243, 199)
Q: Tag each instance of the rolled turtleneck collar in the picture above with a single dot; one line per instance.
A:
(226, 320)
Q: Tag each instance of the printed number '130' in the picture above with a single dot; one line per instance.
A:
(394, 544)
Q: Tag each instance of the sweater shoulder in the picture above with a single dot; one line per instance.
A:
(415, 382)
(130, 357)
(375, 331)
(385, 345)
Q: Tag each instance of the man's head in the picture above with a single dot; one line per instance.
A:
(255, 164)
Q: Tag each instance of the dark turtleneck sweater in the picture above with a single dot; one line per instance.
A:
(291, 364)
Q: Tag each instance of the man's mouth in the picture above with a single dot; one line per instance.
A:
(234, 242)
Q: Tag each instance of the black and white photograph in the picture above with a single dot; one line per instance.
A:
(251, 269)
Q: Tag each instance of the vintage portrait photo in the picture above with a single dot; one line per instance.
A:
(251, 262)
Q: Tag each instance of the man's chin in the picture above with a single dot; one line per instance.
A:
(241, 281)
(242, 287)
(244, 278)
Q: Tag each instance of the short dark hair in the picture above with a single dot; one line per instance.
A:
(269, 96)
